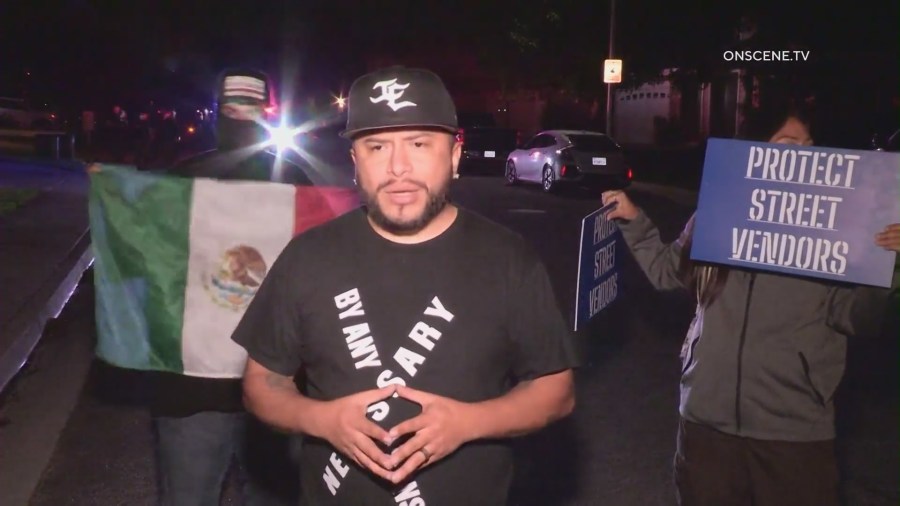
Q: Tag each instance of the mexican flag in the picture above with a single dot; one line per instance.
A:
(177, 260)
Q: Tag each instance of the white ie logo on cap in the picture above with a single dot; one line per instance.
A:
(390, 93)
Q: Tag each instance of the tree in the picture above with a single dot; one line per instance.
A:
(543, 44)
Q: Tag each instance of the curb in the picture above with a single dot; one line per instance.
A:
(27, 325)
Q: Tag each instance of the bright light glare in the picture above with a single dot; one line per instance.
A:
(282, 137)
(340, 101)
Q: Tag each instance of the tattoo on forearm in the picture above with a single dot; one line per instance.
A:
(279, 382)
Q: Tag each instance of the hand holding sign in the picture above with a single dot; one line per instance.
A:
(624, 207)
(889, 238)
(443, 426)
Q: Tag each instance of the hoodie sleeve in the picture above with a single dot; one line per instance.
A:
(861, 310)
(658, 260)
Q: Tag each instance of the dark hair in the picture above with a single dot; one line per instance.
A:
(761, 124)
(707, 280)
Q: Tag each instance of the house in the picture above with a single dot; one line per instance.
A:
(641, 113)
(687, 106)
(679, 108)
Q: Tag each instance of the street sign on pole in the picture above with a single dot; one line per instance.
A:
(606, 71)
(612, 71)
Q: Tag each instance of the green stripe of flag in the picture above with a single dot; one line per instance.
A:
(139, 227)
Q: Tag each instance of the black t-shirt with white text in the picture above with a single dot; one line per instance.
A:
(465, 315)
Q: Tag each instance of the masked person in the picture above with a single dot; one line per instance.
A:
(201, 423)
(243, 143)
(427, 334)
(762, 359)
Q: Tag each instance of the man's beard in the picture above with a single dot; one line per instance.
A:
(436, 201)
(235, 134)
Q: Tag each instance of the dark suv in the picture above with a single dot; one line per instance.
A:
(485, 145)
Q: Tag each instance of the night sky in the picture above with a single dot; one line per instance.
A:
(83, 51)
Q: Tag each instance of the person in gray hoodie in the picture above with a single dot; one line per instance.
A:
(761, 361)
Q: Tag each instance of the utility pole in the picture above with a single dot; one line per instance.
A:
(609, 92)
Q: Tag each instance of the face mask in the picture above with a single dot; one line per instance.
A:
(234, 134)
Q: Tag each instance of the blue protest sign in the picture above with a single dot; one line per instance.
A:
(598, 265)
(802, 210)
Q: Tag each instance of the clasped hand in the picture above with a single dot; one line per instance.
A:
(443, 426)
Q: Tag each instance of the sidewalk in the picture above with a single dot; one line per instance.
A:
(44, 250)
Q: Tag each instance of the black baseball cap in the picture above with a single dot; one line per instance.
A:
(397, 96)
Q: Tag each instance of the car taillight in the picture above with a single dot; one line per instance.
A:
(562, 171)
(630, 174)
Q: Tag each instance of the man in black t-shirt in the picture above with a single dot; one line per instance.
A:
(427, 335)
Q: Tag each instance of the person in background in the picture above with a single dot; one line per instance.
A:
(201, 423)
(242, 149)
(761, 361)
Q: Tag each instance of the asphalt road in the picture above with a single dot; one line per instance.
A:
(615, 450)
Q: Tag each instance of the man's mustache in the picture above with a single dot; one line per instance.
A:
(396, 181)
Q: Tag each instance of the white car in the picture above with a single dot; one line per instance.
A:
(16, 113)
(555, 157)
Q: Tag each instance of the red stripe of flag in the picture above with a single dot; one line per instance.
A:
(315, 205)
